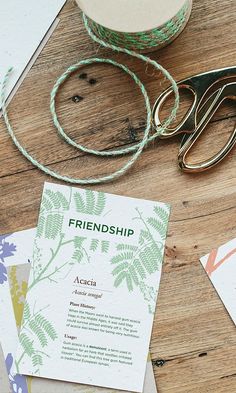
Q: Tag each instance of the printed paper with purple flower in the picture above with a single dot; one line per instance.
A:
(15, 250)
(9, 339)
(6, 250)
(15, 247)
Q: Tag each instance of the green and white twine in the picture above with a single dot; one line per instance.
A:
(137, 149)
(144, 40)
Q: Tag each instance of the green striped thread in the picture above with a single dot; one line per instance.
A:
(137, 148)
(144, 40)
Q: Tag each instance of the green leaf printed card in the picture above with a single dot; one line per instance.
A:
(92, 290)
(16, 251)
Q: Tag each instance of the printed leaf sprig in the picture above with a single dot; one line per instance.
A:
(135, 263)
(90, 204)
(51, 214)
(37, 331)
(53, 206)
(103, 245)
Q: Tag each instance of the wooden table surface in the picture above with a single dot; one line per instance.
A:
(193, 344)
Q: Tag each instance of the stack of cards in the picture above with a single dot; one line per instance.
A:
(82, 289)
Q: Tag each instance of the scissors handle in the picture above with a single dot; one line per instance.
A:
(187, 124)
(227, 91)
(199, 85)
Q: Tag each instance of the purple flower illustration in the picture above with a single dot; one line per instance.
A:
(17, 382)
(6, 249)
(3, 273)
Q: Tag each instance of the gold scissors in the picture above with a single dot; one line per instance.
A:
(209, 90)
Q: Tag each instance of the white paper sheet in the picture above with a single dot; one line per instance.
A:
(220, 266)
(23, 27)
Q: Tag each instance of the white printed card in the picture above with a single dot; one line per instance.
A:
(16, 251)
(92, 289)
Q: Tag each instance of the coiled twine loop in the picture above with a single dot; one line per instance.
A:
(113, 42)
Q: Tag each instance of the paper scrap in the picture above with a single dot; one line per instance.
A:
(220, 266)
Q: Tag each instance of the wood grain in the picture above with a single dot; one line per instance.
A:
(194, 341)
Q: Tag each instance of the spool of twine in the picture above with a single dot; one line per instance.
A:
(137, 25)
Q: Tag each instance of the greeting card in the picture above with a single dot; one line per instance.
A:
(92, 290)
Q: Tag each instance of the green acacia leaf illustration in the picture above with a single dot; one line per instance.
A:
(124, 276)
(78, 241)
(64, 204)
(124, 256)
(129, 283)
(133, 274)
(158, 254)
(139, 269)
(90, 201)
(94, 244)
(149, 294)
(46, 204)
(46, 326)
(53, 198)
(26, 344)
(53, 225)
(151, 309)
(105, 246)
(36, 329)
(57, 199)
(26, 313)
(158, 226)
(78, 255)
(162, 213)
(121, 277)
(37, 360)
(151, 253)
(123, 266)
(79, 203)
(100, 205)
(154, 222)
(126, 247)
(144, 236)
(146, 260)
(129, 270)
(136, 263)
(40, 226)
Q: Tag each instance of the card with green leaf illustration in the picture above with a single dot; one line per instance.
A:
(16, 251)
(92, 290)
